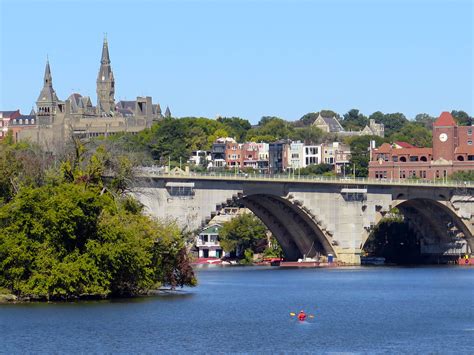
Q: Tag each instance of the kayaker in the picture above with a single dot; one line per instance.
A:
(301, 316)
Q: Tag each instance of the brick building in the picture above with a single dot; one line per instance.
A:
(452, 151)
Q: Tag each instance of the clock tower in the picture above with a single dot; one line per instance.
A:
(445, 137)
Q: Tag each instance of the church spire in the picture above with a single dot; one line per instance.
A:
(105, 84)
(105, 52)
(48, 80)
(47, 94)
(167, 112)
(47, 99)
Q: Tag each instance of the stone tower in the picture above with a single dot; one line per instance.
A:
(47, 102)
(105, 84)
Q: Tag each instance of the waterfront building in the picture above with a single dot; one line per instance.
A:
(242, 155)
(342, 157)
(296, 155)
(263, 153)
(452, 151)
(250, 155)
(218, 152)
(278, 157)
(56, 121)
(207, 242)
(312, 155)
(200, 157)
(233, 155)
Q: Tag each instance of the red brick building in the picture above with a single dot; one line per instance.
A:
(452, 151)
(13, 122)
(241, 155)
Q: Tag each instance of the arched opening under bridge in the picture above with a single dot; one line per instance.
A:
(419, 231)
(296, 231)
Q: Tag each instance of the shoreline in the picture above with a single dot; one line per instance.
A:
(8, 298)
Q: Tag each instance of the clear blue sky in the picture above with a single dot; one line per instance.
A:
(246, 58)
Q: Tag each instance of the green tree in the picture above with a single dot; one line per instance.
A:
(360, 153)
(308, 135)
(462, 176)
(393, 122)
(316, 169)
(236, 126)
(425, 120)
(306, 120)
(243, 232)
(271, 127)
(73, 234)
(353, 120)
(462, 118)
(414, 134)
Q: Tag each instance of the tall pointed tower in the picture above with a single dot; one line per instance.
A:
(105, 84)
(47, 100)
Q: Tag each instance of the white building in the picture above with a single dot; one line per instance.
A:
(296, 155)
(207, 242)
(312, 155)
(200, 157)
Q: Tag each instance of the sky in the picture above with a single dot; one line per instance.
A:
(246, 58)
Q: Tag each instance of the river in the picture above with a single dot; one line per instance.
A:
(247, 310)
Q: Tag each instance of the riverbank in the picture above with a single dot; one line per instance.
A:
(8, 298)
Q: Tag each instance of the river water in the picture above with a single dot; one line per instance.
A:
(247, 310)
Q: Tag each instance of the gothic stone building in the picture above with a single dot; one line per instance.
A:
(57, 120)
(452, 151)
(332, 125)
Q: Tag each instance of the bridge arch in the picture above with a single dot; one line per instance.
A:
(434, 222)
(297, 232)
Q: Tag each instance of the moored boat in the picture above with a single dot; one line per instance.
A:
(466, 260)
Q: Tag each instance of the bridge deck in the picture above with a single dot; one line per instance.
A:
(149, 173)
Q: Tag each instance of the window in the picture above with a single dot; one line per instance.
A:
(469, 142)
(414, 158)
(469, 132)
(402, 174)
(395, 158)
(403, 159)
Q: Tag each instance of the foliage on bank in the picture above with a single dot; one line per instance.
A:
(73, 235)
(245, 235)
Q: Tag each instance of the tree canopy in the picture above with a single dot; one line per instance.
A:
(360, 153)
(413, 133)
(353, 120)
(242, 232)
(72, 234)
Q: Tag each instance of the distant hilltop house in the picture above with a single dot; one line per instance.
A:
(55, 120)
(332, 125)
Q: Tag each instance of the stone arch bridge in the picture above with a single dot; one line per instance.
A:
(318, 216)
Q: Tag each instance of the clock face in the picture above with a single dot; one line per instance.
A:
(443, 137)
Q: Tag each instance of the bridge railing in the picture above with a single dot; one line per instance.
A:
(148, 172)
